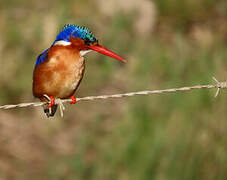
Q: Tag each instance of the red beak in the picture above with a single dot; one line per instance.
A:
(100, 49)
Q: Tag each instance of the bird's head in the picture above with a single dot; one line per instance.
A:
(83, 40)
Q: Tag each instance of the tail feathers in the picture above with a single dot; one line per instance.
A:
(50, 111)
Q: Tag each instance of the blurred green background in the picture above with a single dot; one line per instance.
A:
(168, 43)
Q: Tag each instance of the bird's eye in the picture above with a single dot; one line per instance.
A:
(87, 41)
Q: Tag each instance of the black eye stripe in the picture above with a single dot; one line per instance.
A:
(88, 42)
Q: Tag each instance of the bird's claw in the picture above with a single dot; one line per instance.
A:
(52, 102)
(73, 100)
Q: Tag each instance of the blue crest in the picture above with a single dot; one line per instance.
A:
(75, 31)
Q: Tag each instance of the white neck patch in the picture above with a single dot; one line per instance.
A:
(82, 53)
(62, 43)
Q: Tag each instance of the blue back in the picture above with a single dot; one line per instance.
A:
(42, 57)
(68, 31)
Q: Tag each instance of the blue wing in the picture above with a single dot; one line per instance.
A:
(42, 57)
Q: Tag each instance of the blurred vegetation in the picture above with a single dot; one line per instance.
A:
(168, 43)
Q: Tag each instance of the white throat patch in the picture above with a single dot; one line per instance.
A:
(82, 53)
(62, 43)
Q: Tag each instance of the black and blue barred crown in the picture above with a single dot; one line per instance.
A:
(75, 31)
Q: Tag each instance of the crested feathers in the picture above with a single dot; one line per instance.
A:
(75, 31)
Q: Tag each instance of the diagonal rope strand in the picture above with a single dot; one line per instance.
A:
(218, 85)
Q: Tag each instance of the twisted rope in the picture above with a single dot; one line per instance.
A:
(218, 85)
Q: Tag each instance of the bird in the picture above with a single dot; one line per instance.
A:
(59, 69)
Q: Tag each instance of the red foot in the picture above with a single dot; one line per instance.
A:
(73, 100)
(52, 102)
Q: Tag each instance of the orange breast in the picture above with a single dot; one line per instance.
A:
(60, 74)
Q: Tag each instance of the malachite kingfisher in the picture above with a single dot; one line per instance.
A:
(59, 69)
